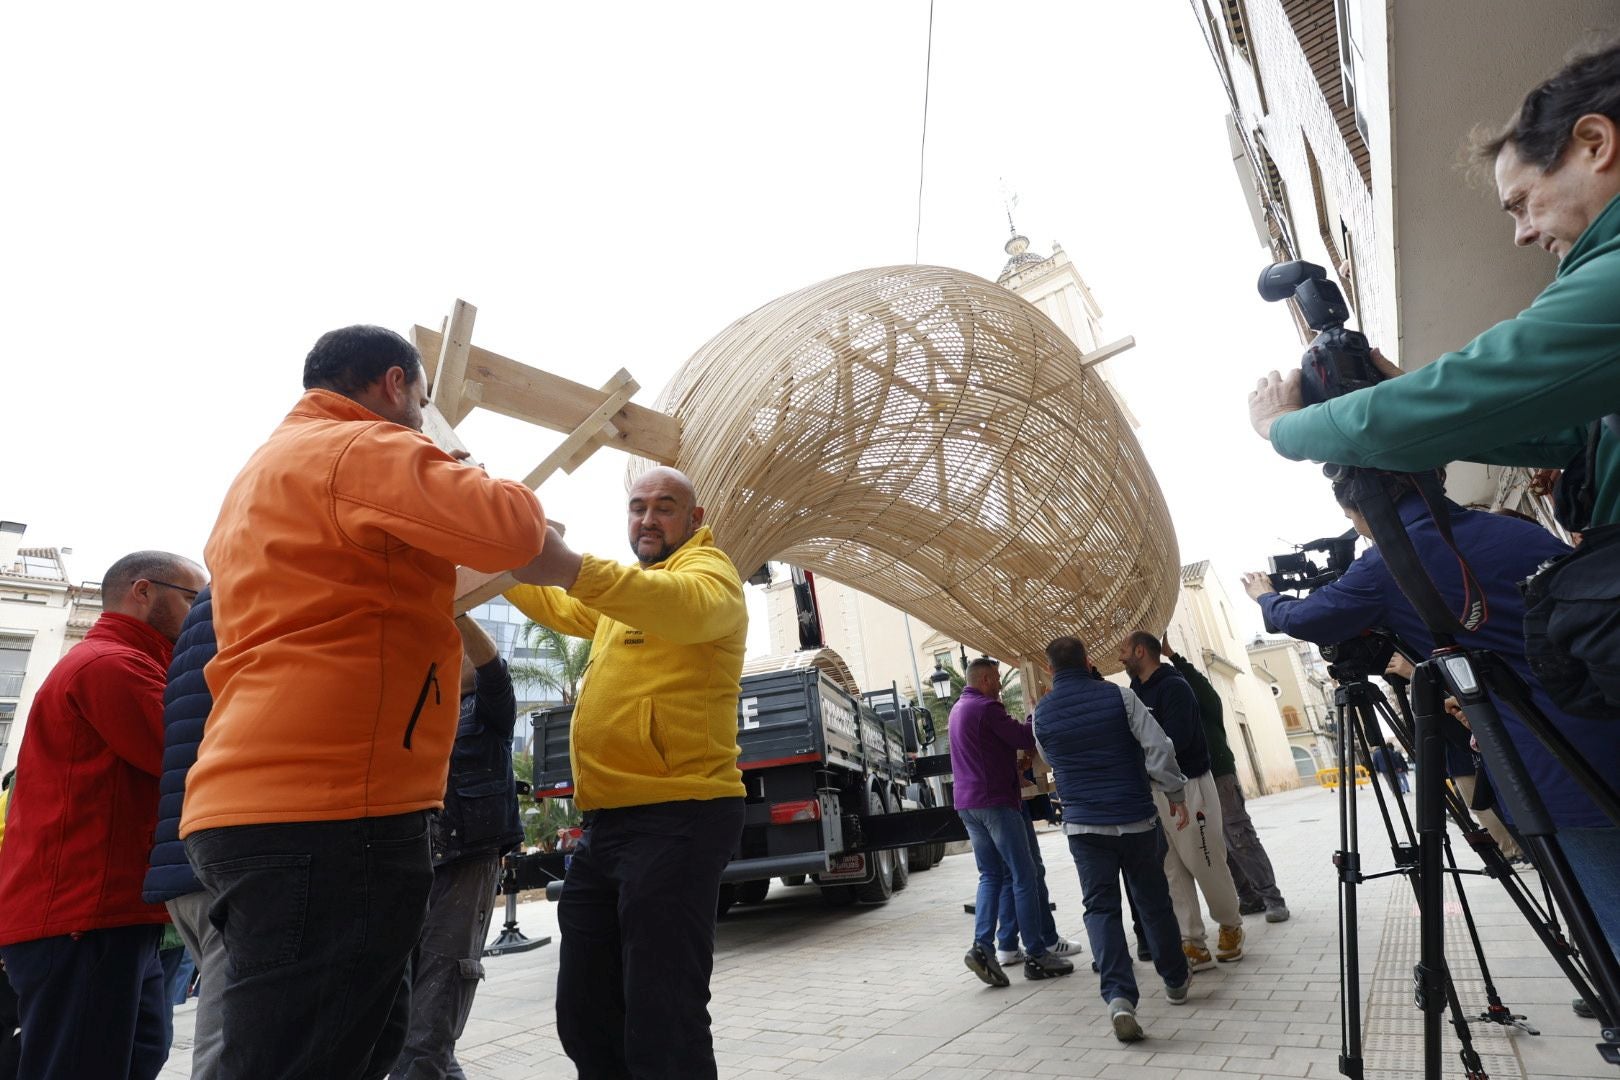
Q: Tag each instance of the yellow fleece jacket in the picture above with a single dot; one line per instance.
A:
(656, 718)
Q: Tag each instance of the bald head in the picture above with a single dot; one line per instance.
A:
(663, 514)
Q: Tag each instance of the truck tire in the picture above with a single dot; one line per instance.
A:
(881, 887)
(753, 892)
(902, 856)
(926, 856)
(791, 880)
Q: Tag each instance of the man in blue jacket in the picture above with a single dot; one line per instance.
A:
(1501, 551)
(478, 825)
(1196, 859)
(169, 878)
(1108, 755)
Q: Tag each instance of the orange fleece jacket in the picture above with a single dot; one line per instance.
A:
(338, 674)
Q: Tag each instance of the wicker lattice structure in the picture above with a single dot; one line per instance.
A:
(933, 440)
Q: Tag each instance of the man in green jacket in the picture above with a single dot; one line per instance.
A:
(1527, 391)
(1245, 856)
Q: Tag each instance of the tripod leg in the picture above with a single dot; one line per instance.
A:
(1348, 861)
(1429, 977)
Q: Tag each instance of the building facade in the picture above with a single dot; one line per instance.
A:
(1304, 695)
(1203, 630)
(1339, 169)
(42, 616)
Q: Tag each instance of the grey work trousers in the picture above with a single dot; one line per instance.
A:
(207, 947)
(1245, 855)
(447, 966)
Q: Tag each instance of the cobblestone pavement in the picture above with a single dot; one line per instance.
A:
(804, 990)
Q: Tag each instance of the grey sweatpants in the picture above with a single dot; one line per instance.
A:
(207, 947)
(447, 966)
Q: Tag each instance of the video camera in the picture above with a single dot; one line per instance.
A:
(1337, 361)
(1298, 572)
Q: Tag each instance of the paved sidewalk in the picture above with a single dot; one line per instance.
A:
(802, 990)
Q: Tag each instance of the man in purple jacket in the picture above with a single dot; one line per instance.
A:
(985, 741)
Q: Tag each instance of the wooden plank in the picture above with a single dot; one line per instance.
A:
(436, 426)
(1103, 352)
(517, 390)
(450, 370)
(474, 587)
(617, 390)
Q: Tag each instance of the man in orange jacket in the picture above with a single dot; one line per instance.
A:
(305, 816)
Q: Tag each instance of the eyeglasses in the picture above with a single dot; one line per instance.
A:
(191, 594)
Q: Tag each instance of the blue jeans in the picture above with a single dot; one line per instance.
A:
(1594, 856)
(1000, 836)
(1007, 910)
(1100, 860)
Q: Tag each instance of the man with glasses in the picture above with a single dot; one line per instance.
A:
(79, 945)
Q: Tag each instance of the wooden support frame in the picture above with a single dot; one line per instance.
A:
(462, 377)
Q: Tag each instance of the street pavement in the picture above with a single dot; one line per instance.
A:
(805, 990)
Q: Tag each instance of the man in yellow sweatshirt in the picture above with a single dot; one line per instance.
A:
(654, 748)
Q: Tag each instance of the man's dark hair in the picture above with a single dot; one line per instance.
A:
(1540, 133)
(1146, 641)
(982, 664)
(1066, 654)
(347, 361)
(1396, 485)
(151, 565)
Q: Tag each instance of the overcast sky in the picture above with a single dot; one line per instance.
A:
(198, 191)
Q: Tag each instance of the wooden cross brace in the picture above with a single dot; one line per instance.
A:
(463, 377)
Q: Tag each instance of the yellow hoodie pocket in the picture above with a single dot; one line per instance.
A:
(652, 742)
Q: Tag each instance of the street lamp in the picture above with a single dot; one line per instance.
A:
(941, 680)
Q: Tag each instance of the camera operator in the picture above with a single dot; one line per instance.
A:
(1501, 551)
(1541, 389)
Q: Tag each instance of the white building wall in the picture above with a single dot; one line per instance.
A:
(1202, 629)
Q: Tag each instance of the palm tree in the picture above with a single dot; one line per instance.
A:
(563, 665)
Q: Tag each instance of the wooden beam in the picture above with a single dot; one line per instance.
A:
(474, 587)
(450, 370)
(1104, 352)
(617, 390)
(517, 390)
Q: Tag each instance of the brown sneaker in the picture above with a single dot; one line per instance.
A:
(1198, 958)
(1230, 946)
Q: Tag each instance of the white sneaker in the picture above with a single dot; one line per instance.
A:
(1065, 947)
(1009, 956)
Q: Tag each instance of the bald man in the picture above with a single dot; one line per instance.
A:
(654, 747)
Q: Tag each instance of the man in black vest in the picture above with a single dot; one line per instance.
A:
(1108, 754)
(479, 824)
(1197, 857)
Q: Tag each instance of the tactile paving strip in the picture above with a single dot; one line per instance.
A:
(1392, 1038)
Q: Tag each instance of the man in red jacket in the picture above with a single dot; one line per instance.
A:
(79, 946)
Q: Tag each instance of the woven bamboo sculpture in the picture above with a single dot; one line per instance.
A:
(933, 440)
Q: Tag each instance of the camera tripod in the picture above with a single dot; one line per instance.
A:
(1362, 715)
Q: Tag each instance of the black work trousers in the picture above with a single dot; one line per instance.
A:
(637, 925)
(319, 920)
